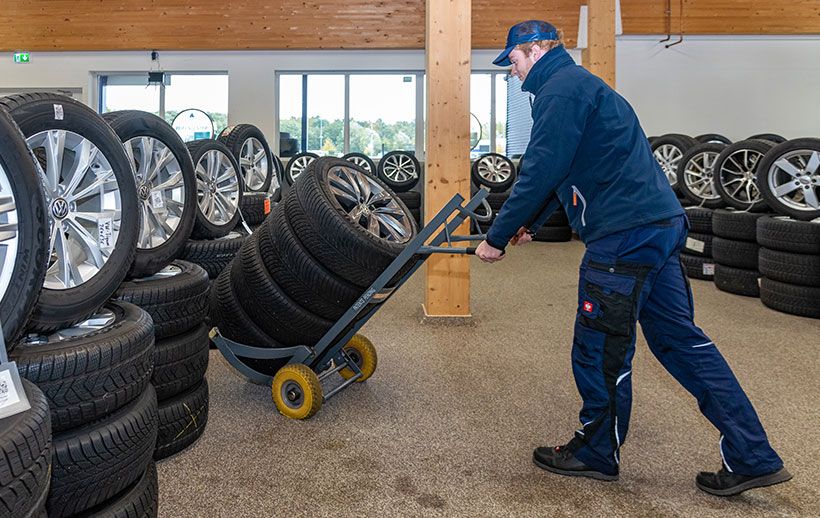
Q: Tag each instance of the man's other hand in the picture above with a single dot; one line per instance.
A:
(487, 253)
(522, 237)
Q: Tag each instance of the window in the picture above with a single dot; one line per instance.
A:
(481, 111)
(290, 114)
(500, 130)
(519, 119)
(382, 113)
(326, 114)
(128, 92)
(207, 92)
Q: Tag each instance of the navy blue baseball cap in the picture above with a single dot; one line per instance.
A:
(525, 32)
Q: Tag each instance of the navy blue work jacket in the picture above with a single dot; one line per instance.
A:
(587, 151)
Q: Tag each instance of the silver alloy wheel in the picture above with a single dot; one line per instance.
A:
(361, 162)
(737, 175)
(217, 187)
(299, 164)
(83, 203)
(494, 169)
(254, 164)
(795, 179)
(9, 237)
(369, 204)
(99, 320)
(160, 189)
(399, 168)
(698, 174)
(668, 156)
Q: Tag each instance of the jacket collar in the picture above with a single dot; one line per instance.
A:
(545, 67)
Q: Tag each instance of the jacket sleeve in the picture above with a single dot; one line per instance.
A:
(558, 125)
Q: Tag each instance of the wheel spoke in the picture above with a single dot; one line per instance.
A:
(811, 198)
(786, 188)
(98, 184)
(89, 243)
(814, 163)
(175, 180)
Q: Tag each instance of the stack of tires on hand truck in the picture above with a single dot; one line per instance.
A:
(333, 234)
(399, 170)
(498, 173)
(767, 240)
(104, 324)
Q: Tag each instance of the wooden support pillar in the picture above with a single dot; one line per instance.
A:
(599, 56)
(447, 171)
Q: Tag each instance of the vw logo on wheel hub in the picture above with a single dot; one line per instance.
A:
(144, 191)
(59, 208)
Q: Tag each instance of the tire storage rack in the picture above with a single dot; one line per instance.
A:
(760, 198)
(104, 323)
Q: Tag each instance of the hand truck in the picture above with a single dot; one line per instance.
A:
(296, 387)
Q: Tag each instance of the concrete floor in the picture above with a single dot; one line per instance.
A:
(447, 425)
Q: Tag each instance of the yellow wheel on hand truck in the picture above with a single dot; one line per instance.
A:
(361, 350)
(297, 391)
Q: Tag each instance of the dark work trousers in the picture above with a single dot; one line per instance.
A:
(636, 275)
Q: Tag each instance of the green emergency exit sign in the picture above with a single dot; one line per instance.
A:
(22, 57)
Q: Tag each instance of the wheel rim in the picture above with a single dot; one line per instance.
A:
(399, 168)
(96, 322)
(292, 394)
(698, 174)
(668, 156)
(794, 179)
(9, 237)
(299, 164)
(494, 169)
(361, 162)
(217, 187)
(253, 160)
(84, 206)
(169, 271)
(160, 188)
(737, 176)
(369, 204)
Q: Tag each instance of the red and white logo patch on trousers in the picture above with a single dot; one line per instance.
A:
(588, 306)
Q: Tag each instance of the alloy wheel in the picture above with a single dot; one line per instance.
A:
(369, 204)
(217, 187)
(795, 179)
(84, 206)
(254, 164)
(737, 176)
(399, 168)
(668, 156)
(698, 174)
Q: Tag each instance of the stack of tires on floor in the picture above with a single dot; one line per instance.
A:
(335, 231)
(696, 255)
(498, 173)
(735, 251)
(91, 358)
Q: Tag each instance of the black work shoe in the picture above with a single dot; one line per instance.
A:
(560, 460)
(724, 483)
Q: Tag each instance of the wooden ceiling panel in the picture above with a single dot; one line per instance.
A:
(74, 25)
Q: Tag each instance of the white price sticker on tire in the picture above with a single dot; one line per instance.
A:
(13, 398)
(157, 202)
(58, 112)
(708, 269)
(105, 233)
(695, 244)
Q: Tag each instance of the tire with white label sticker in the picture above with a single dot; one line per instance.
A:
(91, 203)
(25, 456)
(698, 267)
(166, 186)
(23, 230)
(698, 244)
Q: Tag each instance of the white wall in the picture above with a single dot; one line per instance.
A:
(734, 86)
(731, 85)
